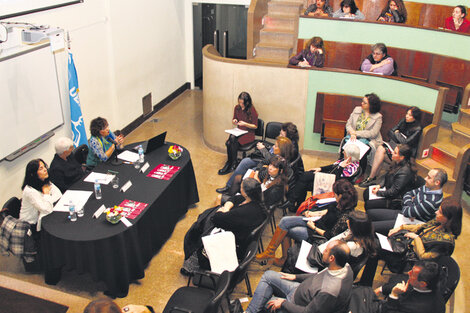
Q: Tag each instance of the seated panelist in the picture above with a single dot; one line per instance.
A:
(102, 142)
(39, 194)
(65, 170)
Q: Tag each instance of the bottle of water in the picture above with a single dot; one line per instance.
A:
(72, 213)
(97, 190)
(141, 159)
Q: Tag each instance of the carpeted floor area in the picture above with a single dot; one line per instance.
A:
(18, 302)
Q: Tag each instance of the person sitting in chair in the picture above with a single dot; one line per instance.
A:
(65, 170)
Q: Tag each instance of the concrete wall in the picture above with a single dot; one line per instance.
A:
(122, 51)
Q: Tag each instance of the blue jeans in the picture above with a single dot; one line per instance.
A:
(241, 169)
(295, 226)
(270, 285)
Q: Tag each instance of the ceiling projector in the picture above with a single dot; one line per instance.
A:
(36, 34)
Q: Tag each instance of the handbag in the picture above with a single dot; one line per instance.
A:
(315, 258)
(220, 249)
(312, 201)
(403, 254)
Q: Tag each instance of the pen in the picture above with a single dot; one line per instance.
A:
(125, 162)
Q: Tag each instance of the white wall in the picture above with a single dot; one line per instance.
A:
(122, 51)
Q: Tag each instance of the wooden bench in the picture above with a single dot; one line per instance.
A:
(432, 68)
(333, 110)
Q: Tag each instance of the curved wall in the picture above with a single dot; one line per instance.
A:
(394, 35)
(288, 94)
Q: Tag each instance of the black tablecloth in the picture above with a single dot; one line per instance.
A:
(116, 254)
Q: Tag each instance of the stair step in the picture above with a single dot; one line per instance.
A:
(271, 52)
(460, 134)
(430, 163)
(442, 157)
(284, 7)
(280, 21)
(464, 117)
(261, 60)
(274, 35)
(274, 45)
(447, 148)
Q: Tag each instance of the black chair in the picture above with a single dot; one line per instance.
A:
(272, 130)
(197, 299)
(451, 268)
(258, 132)
(12, 207)
(80, 153)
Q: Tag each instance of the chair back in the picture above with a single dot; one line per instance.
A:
(220, 290)
(255, 234)
(260, 129)
(12, 207)
(272, 130)
(240, 272)
(451, 268)
(359, 263)
(80, 153)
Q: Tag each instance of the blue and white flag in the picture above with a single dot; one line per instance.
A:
(77, 123)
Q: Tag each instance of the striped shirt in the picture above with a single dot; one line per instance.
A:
(422, 203)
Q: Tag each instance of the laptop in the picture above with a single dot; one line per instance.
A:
(153, 143)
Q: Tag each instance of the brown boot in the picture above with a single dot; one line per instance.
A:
(270, 251)
(285, 244)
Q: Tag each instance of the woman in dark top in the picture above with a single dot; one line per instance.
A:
(241, 214)
(398, 180)
(319, 8)
(407, 131)
(393, 12)
(313, 55)
(245, 117)
(333, 221)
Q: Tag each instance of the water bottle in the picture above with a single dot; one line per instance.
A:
(97, 190)
(72, 213)
(141, 159)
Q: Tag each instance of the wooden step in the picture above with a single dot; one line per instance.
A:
(464, 117)
(274, 35)
(447, 148)
(460, 134)
(284, 7)
(280, 21)
(275, 51)
(271, 62)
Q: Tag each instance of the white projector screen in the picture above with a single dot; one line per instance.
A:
(30, 103)
(11, 8)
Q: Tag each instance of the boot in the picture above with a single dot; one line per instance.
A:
(270, 251)
(226, 168)
(285, 244)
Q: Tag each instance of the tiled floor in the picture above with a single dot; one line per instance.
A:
(183, 120)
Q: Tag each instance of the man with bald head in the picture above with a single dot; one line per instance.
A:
(326, 291)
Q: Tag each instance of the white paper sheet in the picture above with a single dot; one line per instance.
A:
(302, 263)
(384, 243)
(236, 131)
(78, 197)
(128, 156)
(103, 179)
(313, 218)
(401, 220)
(373, 196)
(363, 148)
(326, 200)
(145, 167)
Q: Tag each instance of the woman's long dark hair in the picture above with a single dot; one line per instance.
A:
(291, 131)
(281, 179)
(452, 210)
(401, 8)
(349, 3)
(405, 151)
(348, 193)
(31, 175)
(245, 96)
(362, 231)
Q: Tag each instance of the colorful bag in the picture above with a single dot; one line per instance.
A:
(312, 201)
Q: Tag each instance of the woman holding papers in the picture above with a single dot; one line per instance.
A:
(102, 142)
(39, 194)
(408, 131)
(400, 179)
(245, 118)
(329, 222)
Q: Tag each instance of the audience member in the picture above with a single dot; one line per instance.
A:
(342, 168)
(333, 221)
(458, 22)
(312, 55)
(39, 194)
(109, 306)
(364, 124)
(245, 117)
(241, 214)
(283, 147)
(326, 291)
(102, 142)
(393, 12)
(349, 10)
(421, 203)
(64, 169)
(400, 179)
(407, 131)
(319, 8)
(379, 62)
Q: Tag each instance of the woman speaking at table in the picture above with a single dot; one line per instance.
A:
(39, 194)
(245, 117)
(102, 142)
